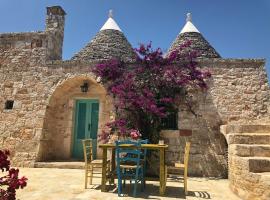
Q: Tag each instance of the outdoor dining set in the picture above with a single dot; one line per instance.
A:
(128, 161)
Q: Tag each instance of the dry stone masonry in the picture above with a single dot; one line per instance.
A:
(107, 44)
(198, 43)
(38, 92)
(249, 160)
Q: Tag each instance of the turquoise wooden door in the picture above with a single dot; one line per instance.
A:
(86, 126)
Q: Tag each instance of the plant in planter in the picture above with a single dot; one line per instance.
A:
(146, 90)
(11, 182)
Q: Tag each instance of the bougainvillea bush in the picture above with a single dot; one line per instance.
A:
(146, 90)
(10, 182)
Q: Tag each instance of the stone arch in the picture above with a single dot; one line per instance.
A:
(58, 126)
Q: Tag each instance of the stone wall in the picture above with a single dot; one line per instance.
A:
(40, 125)
(23, 80)
(34, 47)
(44, 96)
(238, 92)
(22, 49)
(239, 89)
(20, 54)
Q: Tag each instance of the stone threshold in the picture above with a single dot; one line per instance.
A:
(61, 164)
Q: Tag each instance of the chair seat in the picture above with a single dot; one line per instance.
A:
(179, 165)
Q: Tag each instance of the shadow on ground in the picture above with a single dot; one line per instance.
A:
(152, 192)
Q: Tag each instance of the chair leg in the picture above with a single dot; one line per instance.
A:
(119, 189)
(144, 172)
(185, 184)
(142, 184)
(143, 181)
(91, 175)
(124, 183)
(166, 175)
(85, 178)
(136, 183)
(110, 173)
(124, 179)
(135, 188)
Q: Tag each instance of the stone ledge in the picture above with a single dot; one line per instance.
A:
(232, 61)
(60, 165)
(245, 128)
(209, 62)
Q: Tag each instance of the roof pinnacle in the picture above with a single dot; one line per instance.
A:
(110, 13)
(110, 23)
(189, 27)
(189, 17)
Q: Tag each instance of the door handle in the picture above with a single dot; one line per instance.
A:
(89, 127)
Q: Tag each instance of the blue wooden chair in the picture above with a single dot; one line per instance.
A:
(129, 165)
(142, 161)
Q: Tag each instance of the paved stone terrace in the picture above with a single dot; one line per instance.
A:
(68, 184)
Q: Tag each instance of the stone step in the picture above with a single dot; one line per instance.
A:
(248, 138)
(248, 150)
(60, 165)
(265, 178)
(248, 128)
(259, 164)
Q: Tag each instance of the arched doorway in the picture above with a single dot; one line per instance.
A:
(68, 116)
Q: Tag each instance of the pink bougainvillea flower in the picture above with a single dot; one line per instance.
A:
(143, 91)
(10, 181)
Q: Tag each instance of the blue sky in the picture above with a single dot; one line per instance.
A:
(236, 29)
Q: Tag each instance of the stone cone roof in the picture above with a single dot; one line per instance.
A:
(109, 43)
(198, 42)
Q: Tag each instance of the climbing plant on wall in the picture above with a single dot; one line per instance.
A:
(144, 91)
(10, 182)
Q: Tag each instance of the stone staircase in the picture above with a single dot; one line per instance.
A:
(249, 160)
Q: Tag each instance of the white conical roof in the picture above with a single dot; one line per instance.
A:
(110, 42)
(198, 42)
(189, 27)
(110, 23)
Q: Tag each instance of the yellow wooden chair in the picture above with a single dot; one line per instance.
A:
(182, 166)
(90, 163)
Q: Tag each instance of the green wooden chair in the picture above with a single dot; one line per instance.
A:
(182, 166)
(90, 163)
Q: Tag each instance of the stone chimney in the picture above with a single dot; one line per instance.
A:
(55, 24)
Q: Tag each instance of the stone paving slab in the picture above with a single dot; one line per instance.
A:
(68, 184)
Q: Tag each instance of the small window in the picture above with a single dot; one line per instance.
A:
(9, 104)
(170, 122)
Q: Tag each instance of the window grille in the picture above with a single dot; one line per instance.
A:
(170, 122)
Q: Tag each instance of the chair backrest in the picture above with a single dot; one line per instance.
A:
(186, 156)
(87, 150)
(128, 154)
